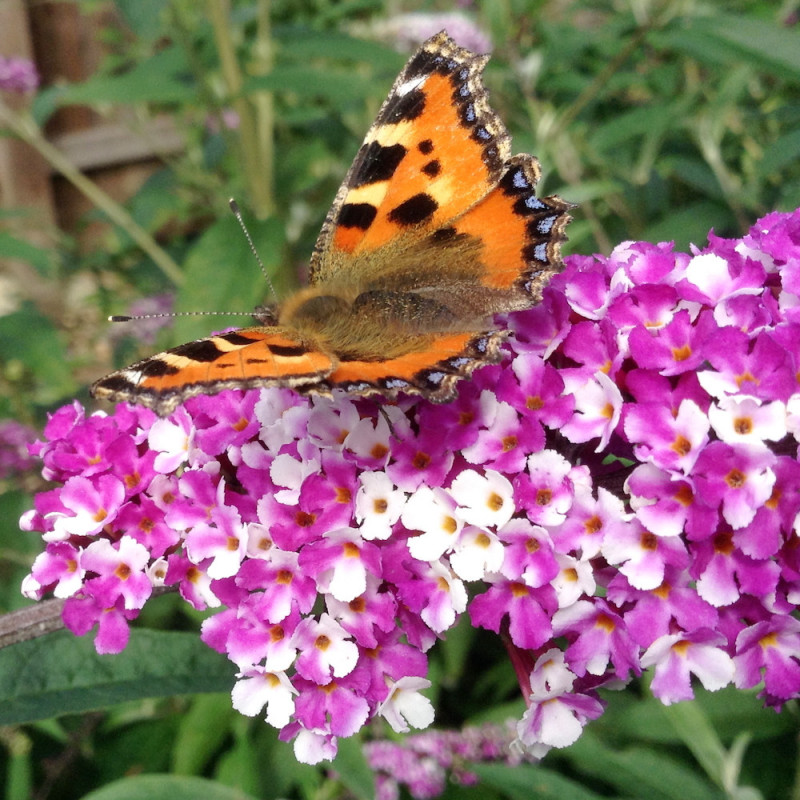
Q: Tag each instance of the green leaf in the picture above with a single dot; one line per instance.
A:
(638, 772)
(527, 782)
(336, 86)
(696, 732)
(201, 733)
(222, 274)
(633, 124)
(695, 172)
(144, 17)
(727, 42)
(61, 673)
(782, 153)
(731, 712)
(304, 44)
(28, 337)
(166, 787)
(13, 248)
(18, 549)
(353, 770)
(687, 226)
(244, 762)
(158, 79)
(774, 47)
(46, 102)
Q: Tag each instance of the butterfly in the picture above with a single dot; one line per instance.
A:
(435, 230)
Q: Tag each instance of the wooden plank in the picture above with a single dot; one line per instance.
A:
(110, 143)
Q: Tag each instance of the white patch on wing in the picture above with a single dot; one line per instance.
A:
(404, 88)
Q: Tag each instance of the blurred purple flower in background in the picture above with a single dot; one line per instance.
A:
(18, 75)
(407, 31)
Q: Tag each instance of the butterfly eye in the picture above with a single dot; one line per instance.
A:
(265, 315)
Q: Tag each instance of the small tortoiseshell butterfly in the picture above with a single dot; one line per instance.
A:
(435, 229)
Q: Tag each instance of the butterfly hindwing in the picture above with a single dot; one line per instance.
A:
(433, 371)
(519, 233)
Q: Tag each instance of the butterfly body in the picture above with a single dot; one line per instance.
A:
(435, 230)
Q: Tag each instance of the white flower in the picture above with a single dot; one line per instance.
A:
(433, 512)
(271, 689)
(484, 500)
(378, 505)
(405, 706)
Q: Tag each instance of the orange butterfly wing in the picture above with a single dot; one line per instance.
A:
(249, 357)
(435, 149)
(435, 229)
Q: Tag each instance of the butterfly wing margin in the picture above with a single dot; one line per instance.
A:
(242, 359)
(432, 368)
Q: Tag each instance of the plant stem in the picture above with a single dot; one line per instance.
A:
(263, 102)
(253, 167)
(26, 129)
(30, 622)
(600, 80)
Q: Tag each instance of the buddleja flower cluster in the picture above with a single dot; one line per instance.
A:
(621, 493)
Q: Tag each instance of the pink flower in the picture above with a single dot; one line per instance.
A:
(620, 493)
(677, 656)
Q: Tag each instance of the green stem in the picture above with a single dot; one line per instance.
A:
(26, 129)
(599, 82)
(263, 102)
(260, 191)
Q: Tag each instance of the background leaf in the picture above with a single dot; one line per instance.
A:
(221, 274)
(60, 673)
(166, 787)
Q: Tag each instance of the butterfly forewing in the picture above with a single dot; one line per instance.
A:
(246, 358)
(434, 150)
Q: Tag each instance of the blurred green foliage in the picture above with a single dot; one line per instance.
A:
(661, 118)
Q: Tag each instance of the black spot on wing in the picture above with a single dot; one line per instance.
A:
(414, 210)
(356, 215)
(444, 235)
(432, 168)
(156, 368)
(425, 147)
(202, 350)
(287, 351)
(377, 163)
(236, 338)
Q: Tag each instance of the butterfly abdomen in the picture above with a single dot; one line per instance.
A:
(373, 324)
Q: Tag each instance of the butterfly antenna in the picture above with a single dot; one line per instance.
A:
(238, 214)
(171, 314)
